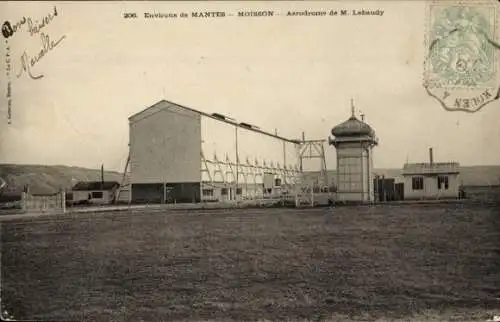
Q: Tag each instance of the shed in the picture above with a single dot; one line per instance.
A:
(431, 180)
(94, 192)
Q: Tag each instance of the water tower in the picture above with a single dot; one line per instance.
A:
(354, 141)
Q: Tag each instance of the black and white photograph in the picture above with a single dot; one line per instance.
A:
(250, 161)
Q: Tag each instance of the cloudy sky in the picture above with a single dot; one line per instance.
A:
(291, 73)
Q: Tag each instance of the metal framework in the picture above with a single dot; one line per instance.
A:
(310, 150)
(314, 149)
(120, 187)
(229, 171)
(223, 173)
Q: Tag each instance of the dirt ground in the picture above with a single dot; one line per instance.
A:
(437, 262)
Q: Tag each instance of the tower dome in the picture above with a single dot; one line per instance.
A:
(354, 141)
(353, 127)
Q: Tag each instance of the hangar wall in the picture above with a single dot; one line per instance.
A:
(165, 147)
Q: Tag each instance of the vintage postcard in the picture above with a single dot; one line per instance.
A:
(250, 161)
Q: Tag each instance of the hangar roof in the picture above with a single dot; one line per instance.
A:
(164, 104)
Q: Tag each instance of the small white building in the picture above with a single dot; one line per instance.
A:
(93, 192)
(431, 180)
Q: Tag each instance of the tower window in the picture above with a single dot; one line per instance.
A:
(442, 182)
(417, 183)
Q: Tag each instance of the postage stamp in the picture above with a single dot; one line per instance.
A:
(460, 68)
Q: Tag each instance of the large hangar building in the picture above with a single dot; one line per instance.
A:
(179, 154)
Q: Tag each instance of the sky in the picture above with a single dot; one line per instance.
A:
(294, 74)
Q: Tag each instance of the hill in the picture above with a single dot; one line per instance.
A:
(48, 179)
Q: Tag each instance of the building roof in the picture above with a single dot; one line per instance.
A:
(431, 168)
(353, 127)
(164, 104)
(95, 185)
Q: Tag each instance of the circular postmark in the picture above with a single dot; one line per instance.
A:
(461, 62)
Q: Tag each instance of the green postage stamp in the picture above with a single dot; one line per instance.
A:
(462, 50)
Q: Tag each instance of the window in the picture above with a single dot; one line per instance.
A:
(277, 182)
(208, 192)
(442, 182)
(97, 195)
(223, 191)
(417, 183)
(238, 191)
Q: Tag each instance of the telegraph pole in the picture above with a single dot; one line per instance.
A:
(237, 156)
(102, 176)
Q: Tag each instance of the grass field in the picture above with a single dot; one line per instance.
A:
(436, 261)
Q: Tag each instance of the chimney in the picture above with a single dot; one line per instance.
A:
(431, 157)
(303, 136)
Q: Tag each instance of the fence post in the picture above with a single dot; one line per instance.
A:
(23, 201)
(43, 205)
(312, 195)
(63, 200)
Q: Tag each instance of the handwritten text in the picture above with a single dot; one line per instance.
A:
(28, 62)
(34, 26)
